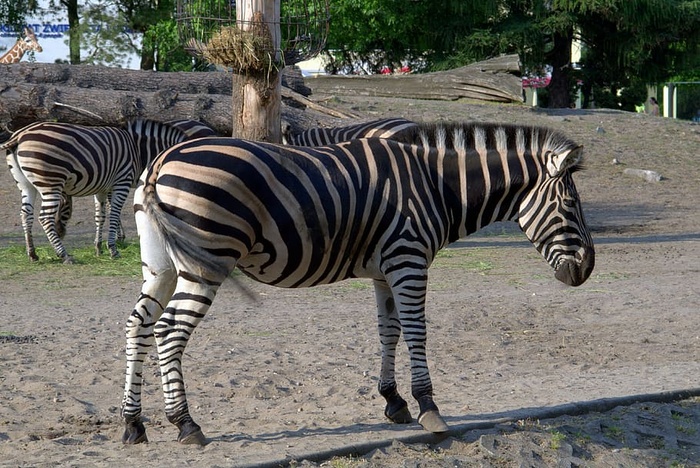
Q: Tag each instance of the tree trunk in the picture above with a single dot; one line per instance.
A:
(74, 38)
(256, 94)
(560, 59)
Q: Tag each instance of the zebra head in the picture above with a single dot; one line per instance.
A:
(552, 218)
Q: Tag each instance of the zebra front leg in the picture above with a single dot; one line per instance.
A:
(409, 289)
(193, 297)
(389, 325)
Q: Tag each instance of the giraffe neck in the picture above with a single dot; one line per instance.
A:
(15, 54)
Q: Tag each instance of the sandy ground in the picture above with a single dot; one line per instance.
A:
(526, 371)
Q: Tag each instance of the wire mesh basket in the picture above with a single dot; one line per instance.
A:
(210, 31)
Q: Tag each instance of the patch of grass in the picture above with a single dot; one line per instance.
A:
(683, 423)
(468, 259)
(14, 263)
(258, 334)
(557, 439)
(614, 432)
(610, 276)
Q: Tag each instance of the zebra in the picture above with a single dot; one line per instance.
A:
(392, 127)
(294, 216)
(51, 162)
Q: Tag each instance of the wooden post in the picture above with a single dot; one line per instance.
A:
(256, 95)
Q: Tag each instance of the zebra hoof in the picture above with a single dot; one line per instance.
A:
(115, 254)
(433, 422)
(68, 260)
(399, 416)
(191, 435)
(135, 433)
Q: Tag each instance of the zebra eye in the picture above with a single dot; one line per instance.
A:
(569, 201)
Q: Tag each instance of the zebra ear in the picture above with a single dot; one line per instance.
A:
(564, 160)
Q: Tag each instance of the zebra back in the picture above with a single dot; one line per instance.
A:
(382, 128)
(192, 128)
(151, 137)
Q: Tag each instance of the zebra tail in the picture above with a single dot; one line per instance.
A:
(179, 237)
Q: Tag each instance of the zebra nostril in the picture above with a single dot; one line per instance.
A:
(576, 273)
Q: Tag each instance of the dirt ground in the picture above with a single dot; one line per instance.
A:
(527, 372)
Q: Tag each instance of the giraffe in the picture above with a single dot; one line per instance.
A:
(18, 50)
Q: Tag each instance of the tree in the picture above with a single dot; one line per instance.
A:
(153, 19)
(628, 41)
(14, 12)
(366, 35)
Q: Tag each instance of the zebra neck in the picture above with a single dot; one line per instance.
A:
(477, 195)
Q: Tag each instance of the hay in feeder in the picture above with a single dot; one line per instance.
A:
(245, 51)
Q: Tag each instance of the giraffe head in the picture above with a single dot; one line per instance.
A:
(30, 42)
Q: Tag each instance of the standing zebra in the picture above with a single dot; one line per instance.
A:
(370, 208)
(52, 162)
(383, 128)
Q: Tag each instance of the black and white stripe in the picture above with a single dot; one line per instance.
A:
(52, 162)
(392, 128)
(297, 216)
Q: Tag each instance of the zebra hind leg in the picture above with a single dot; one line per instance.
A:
(189, 304)
(50, 206)
(64, 214)
(29, 198)
(157, 288)
(116, 200)
(100, 215)
(159, 281)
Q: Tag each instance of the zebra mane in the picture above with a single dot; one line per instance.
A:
(460, 135)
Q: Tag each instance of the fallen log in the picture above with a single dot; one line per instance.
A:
(95, 95)
(494, 80)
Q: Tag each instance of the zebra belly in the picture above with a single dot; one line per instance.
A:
(257, 267)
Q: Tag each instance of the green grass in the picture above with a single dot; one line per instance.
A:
(14, 263)
(557, 439)
(467, 259)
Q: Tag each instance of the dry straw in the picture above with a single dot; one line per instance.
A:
(245, 51)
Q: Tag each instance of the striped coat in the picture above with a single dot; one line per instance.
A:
(369, 208)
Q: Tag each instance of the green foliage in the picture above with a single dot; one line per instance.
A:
(164, 40)
(104, 36)
(366, 35)
(14, 12)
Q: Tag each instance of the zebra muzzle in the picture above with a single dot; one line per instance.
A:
(575, 273)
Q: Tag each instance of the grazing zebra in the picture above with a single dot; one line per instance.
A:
(383, 128)
(52, 162)
(294, 216)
